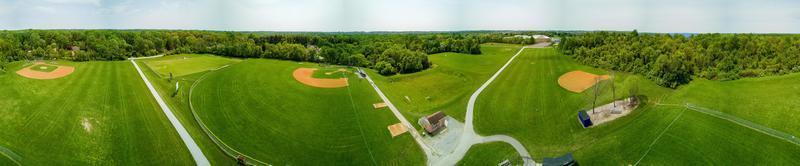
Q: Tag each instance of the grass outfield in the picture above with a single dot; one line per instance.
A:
(101, 115)
(542, 115)
(448, 84)
(490, 154)
(185, 64)
(258, 108)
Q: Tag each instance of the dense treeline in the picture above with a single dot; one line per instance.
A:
(388, 53)
(672, 60)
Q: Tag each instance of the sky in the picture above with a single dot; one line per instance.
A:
(679, 16)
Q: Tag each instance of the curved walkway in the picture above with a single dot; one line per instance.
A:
(197, 154)
(468, 137)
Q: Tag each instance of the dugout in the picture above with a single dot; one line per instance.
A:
(565, 160)
(583, 117)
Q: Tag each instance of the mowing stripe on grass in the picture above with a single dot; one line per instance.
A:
(659, 137)
(358, 122)
(763, 129)
(10, 155)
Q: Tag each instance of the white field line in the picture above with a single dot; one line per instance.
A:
(197, 154)
(650, 147)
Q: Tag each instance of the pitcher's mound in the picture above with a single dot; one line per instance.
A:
(42, 71)
(577, 81)
(304, 75)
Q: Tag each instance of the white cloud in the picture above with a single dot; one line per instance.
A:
(79, 2)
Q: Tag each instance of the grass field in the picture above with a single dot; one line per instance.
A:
(525, 102)
(771, 101)
(185, 64)
(101, 115)
(490, 154)
(448, 84)
(44, 68)
(258, 108)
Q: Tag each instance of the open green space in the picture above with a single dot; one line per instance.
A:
(259, 109)
(185, 64)
(101, 115)
(770, 101)
(44, 68)
(526, 103)
(491, 153)
(447, 85)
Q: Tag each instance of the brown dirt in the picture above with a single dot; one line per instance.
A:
(59, 72)
(397, 129)
(577, 81)
(304, 75)
(379, 105)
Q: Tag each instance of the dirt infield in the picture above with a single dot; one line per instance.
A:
(304, 75)
(577, 81)
(59, 72)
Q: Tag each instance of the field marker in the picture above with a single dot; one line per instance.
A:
(659, 137)
(195, 150)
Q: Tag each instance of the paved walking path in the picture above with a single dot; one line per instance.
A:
(411, 129)
(197, 154)
(468, 137)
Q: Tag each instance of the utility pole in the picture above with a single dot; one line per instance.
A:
(594, 102)
(613, 91)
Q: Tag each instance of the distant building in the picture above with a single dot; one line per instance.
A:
(434, 123)
(541, 38)
(523, 36)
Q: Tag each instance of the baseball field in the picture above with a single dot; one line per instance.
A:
(100, 114)
(542, 115)
(258, 108)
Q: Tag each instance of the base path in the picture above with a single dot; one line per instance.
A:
(197, 154)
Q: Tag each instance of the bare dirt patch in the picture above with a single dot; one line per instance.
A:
(397, 129)
(379, 105)
(304, 75)
(59, 72)
(577, 81)
(87, 125)
(610, 111)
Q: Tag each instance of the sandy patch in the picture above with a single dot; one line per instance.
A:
(379, 105)
(577, 81)
(59, 72)
(609, 112)
(304, 75)
(397, 129)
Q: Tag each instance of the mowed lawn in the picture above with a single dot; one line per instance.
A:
(102, 114)
(259, 109)
(526, 102)
(491, 153)
(770, 101)
(185, 64)
(447, 85)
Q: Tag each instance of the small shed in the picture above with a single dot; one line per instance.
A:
(434, 123)
(565, 160)
(583, 117)
(541, 38)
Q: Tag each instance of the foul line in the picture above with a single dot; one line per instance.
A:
(659, 137)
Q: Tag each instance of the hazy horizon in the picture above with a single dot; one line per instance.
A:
(682, 16)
